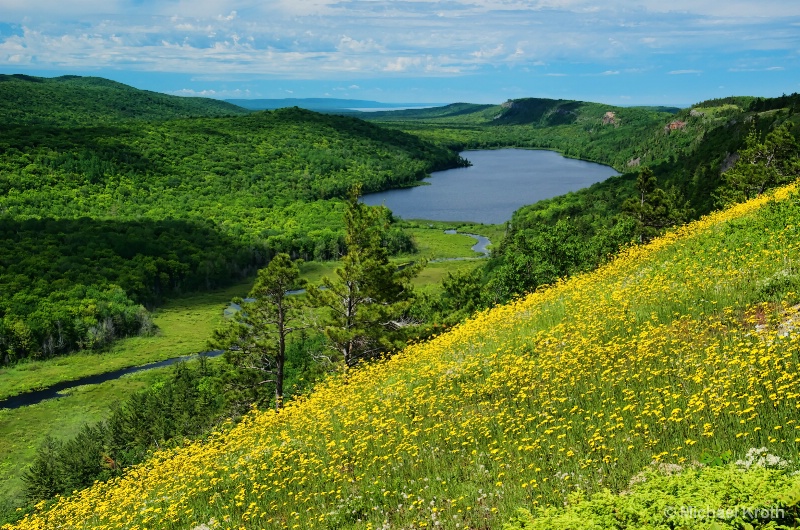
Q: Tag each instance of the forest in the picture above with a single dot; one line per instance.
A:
(688, 155)
(114, 200)
(118, 198)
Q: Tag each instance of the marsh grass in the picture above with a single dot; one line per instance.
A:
(184, 324)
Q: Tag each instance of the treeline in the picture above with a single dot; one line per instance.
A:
(91, 204)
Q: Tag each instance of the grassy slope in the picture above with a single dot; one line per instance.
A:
(576, 387)
(185, 323)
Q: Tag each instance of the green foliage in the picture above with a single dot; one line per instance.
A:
(185, 404)
(718, 497)
(255, 338)
(762, 165)
(653, 209)
(103, 187)
(29, 100)
(363, 306)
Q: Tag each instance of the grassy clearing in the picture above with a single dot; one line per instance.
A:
(184, 326)
(430, 278)
(434, 243)
(23, 430)
(672, 352)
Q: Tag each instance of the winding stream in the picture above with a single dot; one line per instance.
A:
(58, 390)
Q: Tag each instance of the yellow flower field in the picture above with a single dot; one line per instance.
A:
(673, 350)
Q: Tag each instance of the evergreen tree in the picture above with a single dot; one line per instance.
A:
(363, 306)
(761, 165)
(653, 208)
(44, 478)
(255, 339)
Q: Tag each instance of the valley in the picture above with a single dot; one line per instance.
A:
(562, 362)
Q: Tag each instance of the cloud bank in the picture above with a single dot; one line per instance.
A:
(311, 39)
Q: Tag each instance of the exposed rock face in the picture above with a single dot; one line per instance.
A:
(610, 118)
(694, 113)
(508, 104)
(675, 126)
(635, 162)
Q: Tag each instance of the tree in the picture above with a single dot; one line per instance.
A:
(363, 305)
(761, 165)
(255, 339)
(653, 208)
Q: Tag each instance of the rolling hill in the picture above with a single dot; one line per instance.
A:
(112, 198)
(28, 100)
(321, 104)
(677, 352)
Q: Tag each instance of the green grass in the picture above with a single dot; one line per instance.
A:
(430, 278)
(23, 430)
(184, 326)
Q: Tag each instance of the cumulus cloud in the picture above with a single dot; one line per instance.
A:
(323, 38)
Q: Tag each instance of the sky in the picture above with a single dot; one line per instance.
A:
(650, 52)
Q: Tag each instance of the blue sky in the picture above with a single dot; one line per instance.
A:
(674, 52)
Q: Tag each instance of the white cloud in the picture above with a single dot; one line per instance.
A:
(324, 38)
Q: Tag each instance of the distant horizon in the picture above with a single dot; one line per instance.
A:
(389, 105)
(479, 51)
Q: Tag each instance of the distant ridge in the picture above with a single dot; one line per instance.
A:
(29, 100)
(323, 104)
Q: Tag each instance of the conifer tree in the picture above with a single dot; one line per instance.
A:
(761, 165)
(654, 208)
(363, 305)
(255, 339)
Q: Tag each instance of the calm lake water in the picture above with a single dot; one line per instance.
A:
(499, 182)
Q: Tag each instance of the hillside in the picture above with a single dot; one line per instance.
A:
(674, 353)
(687, 150)
(100, 214)
(28, 100)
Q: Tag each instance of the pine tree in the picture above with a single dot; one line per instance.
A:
(363, 305)
(653, 208)
(761, 165)
(255, 339)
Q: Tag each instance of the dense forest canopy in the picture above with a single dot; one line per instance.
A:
(112, 197)
(28, 100)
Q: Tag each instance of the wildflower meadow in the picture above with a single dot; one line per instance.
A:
(673, 353)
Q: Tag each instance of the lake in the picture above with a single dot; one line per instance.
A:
(499, 182)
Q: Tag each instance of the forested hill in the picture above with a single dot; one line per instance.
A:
(689, 152)
(98, 217)
(28, 100)
(590, 131)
